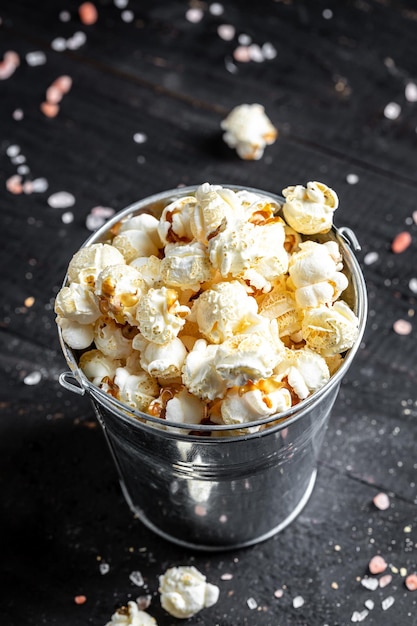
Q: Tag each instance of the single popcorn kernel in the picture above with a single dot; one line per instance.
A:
(249, 131)
(184, 591)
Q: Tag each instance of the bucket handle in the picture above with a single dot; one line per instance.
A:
(68, 380)
(349, 236)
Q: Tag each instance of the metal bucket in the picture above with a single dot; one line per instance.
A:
(229, 491)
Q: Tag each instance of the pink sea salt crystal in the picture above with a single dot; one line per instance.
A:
(384, 581)
(411, 582)
(381, 501)
(401, 242)
(377, 565)
(402, 327)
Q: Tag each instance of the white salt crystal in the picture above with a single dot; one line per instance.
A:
(61, 200)
(298, 602)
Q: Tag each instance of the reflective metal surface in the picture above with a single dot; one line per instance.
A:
(228, 490)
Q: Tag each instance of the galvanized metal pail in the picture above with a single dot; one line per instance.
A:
(229, 491)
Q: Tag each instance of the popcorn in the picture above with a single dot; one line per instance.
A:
(174, 225)
(110, 339)
(223, 310)
(135, 390)
(97, 366)
(77, 303)
(250, 356)
(185, 266)
(280, 304)
(220, 312)
(309, 210)
(253, 253)
(305, 370)
(149, 269)
(185, 408)
(131, 615)
(254, 401)
(119, 289)
(184, 591)
(162, 361)
(160, 315)
(87, 263)
(313, 271)
(249, 131)
(138, 237)
(330, 330)
(200, 374)
(77, 336)
(215, 208)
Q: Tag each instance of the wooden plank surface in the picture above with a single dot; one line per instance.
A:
(337, 67)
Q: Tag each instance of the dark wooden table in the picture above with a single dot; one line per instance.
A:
(151, 83)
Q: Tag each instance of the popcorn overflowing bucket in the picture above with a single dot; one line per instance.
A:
(214, 486)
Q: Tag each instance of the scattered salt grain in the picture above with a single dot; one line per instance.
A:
(136, 578)
(252, 604)
(194, 15)
(269, 51)
(327, 14)
(226, 32)
(59, 44)
(369, 604)
(244, 39)
(77, 40)
(35, 58)
(392, 111)
(413, 285)
(13, 150)
(80, 599)
(384, 581)
(226, 576)
(411, 582)
(121, 4)
(97, 217)
(298, 602)
(370, 258)
(387, 603)
(377, 565)
(61, 200)
(242, 54)
(104, 568)
(401, 242)
(352, 179)
(127, 16)
(144, 602)
(88, 13)
(402, 327)
(139, 138)
(9, 64)
(18, 115)
(39, 185)
(381, 501)
(255, 53)
(34, 378)
(65, 16)
(411, 92)
(14, 184)
(216, 8)
(279, 593)
(359, 616)
(67, 217)
(370, 583)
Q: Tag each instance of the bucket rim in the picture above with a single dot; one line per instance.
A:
(347, 241)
